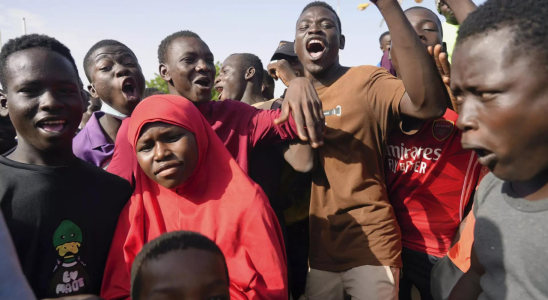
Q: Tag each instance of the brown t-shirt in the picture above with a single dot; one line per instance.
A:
(351, 221)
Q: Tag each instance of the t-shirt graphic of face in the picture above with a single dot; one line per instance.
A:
(70, 275)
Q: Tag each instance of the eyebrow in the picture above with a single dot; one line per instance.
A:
(121, 53)
(428, 21)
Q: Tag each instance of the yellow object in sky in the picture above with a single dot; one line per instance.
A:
(363, 6)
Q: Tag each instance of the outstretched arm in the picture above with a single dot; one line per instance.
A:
(461, 8)
(426, 95)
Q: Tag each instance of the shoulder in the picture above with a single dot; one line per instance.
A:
(490, 186)
(107, 182)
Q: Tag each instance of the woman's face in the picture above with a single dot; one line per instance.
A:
(168, 154)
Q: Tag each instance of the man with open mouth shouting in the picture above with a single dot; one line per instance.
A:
(116, 78)
(187, 65)
(355, 243)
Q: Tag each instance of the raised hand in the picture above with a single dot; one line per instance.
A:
(442, 63)
(281, 69)
(302, 101)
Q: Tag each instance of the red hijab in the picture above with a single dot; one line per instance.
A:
(219, 201)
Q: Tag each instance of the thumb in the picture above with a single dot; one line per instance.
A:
(284, 116)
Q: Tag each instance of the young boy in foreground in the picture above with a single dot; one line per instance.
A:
(499, 78)
(180, 265)
(61, 211)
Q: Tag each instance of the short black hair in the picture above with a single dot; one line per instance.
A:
(100, 44)
(383, 35)
(30, 41)
(324, 5)
(164, 45)
(249, 60)
(152, 91)
(528, 20)
(169, 242)
(438, 20)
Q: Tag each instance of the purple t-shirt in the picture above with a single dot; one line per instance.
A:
(91, 144)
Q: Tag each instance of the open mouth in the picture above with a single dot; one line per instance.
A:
(129, 89)
(203, 83)
(485, 157)
(52, 125)
(315, 48)
(219, 90)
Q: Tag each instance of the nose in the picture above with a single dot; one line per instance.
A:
(467, 117)
(121, 71)
(49, 103)
(201, 66)
(218, 79)
(161, 151)
(314, 28)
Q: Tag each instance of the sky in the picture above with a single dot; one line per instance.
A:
(253, 26)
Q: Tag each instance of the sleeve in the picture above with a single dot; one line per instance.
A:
(124, 161)
(384, 93)
(127, 242)
(265, 247)
(13, 284)
(263, 131)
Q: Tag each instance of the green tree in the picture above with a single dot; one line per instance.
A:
(159, 83)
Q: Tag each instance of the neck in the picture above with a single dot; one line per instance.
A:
(252, 94)
(328, 76)
(28, 154)
(110, 126)
(534, 189)
(172, 91)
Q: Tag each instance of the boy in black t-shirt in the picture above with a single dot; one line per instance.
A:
(61, 212)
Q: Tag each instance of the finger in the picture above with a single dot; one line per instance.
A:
(430, 51)
(444, 60)
(318, 113)
(311, 121)
(297, 112)
(284, 115)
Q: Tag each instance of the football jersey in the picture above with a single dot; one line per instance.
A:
(430, 179)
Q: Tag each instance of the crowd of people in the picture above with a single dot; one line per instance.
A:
(422, 175)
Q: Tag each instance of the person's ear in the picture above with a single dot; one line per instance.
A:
(342, 41)
(164, 73)
(92, 91)
(249, 73)
(3, 104)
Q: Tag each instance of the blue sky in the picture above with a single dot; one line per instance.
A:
(254, 26)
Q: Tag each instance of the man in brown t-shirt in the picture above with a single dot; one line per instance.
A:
(354, 237)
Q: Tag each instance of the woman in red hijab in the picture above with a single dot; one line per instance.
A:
(189, 181)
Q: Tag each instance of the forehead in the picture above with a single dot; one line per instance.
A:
(111, 51)
(182, 45)
(417, 15)
(39, 64)
(317, 12)
(486, 58)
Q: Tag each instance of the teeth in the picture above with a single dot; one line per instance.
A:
(315, 41)
(54, 122)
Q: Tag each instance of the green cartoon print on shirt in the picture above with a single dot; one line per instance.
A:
(69, 275)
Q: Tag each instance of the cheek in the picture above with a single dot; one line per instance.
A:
(145, 162)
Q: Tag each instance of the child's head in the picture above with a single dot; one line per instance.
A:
(187, 65)
(385, 41)
(167, 153)
(115, 75)
(318, 37)
(499, 76)
(237, 70)
(41, 83)
(427, 25)
(180, 265)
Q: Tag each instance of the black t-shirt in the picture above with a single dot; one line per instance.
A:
(62, 220)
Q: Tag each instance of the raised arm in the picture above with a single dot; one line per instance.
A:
(461, 8)
(426, 95)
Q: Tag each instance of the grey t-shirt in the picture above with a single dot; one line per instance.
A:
(511, 242)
